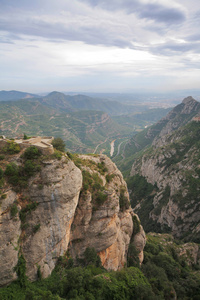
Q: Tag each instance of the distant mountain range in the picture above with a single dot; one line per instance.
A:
(83, 122)
(62, 102)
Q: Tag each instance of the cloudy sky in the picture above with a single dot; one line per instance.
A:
(99, 45)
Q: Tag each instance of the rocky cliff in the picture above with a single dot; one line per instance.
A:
(170, 174)
(50, 206)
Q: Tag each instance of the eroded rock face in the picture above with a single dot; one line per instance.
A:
(56, 190)
(104, 227)
(10, 232)
(139, 240)
(173, 170)
(56, 216)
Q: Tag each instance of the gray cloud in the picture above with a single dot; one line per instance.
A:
(162, 14)
(175, 48)
(193, 37)
(8, 38)
(152, 11)
(94, 35)
(5, 41)
(42, 18)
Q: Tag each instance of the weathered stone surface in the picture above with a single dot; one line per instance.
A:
(103, 227)
(57, 200)
(179, 116)
(139, 240)
(9, 237)
(191, 252)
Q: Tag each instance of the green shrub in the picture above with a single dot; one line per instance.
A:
(102, 168)
(20, 269)
(27, 209)
(133, 256)
(36, 228)
(136, 225)
(87, 180)
(70, 155)
(1, 182)
(18, 176)
(109, 177)
(39, 273)
(1, 173)
(13, 210)
(59, 144)
(74, 157)
(11, 148)
(57, 154)
(100, 197)
(26, 137)
(91, 257)
(11, 169)
(29, 168)
(2, 157)
(32, 152)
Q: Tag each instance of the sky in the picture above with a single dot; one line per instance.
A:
(99, 46)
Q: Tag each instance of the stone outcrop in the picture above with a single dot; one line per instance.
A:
(103, 227)
(57, 197)
(54, 214)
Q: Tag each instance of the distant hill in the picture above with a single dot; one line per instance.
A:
(82, 130)
(15, 95)
(68, 103)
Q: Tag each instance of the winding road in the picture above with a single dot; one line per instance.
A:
(99, 145)
(112, 147)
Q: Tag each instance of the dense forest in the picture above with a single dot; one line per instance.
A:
(166, 273)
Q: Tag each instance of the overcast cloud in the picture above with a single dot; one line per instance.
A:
(96, 45)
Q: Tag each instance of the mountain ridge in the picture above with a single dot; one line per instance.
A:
(170, 171)
(15, 95)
